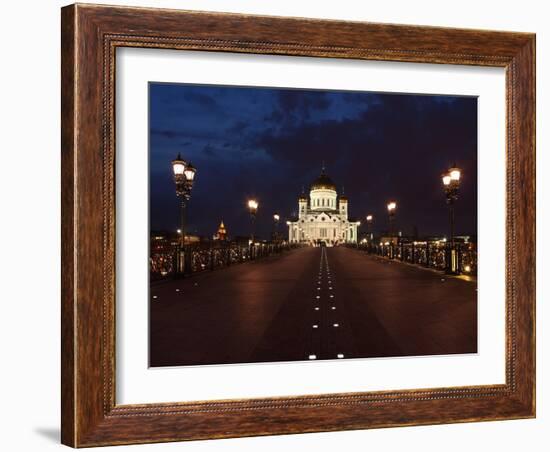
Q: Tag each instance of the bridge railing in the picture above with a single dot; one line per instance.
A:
(198, 258)
(459, 258)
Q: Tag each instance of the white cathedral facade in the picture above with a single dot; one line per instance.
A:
(323, 217)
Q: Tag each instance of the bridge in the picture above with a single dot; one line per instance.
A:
(311, 303)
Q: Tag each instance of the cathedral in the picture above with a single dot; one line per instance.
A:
(323, 217)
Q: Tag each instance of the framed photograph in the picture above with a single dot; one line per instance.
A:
(277, 225)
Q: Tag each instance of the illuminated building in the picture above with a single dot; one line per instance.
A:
(323, 216)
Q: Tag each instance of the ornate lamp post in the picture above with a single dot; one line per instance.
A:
(184, 177)
(392, 206)
(276, 218)
(451, 184)
(252, 209)
(370, 219)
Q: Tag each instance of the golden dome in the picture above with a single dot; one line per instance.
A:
(323, 182)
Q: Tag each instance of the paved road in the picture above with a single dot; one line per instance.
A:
(311, 303)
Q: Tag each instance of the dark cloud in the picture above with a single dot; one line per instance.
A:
(170, 134)
(302, 102)
(396, 149)
(209, 150)
(202, 100)
(274, 116)
(238, 127)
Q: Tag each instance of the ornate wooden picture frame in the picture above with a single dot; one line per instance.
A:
(90, 37)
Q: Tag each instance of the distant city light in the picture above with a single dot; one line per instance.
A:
(276, 217)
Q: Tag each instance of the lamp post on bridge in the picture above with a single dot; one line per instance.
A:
(276, 218)
(252, 210)
(451, 184)
(392, 206)
(184, 177)
(370, 219)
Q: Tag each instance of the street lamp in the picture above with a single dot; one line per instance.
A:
(370, 219)
(392, 206)
(451, 184)
(184, 177)
(252, 209)
(276, 218)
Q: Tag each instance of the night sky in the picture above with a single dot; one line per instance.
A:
(269, 143)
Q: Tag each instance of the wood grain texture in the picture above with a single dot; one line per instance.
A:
(68, 244)
(90, 36)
